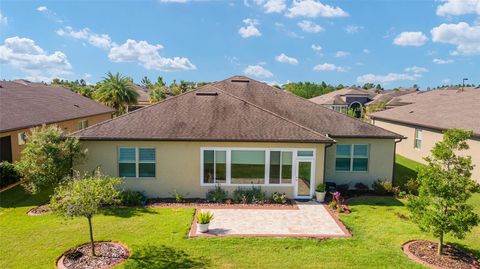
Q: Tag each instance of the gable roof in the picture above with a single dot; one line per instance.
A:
(335, 97)
(438, 109)
(24, 105)
(388, 95)
(143, 94)
(235, 109)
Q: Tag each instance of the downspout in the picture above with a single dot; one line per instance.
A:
(325, 157)
(395, 157)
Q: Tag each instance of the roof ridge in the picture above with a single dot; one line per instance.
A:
(273, 113)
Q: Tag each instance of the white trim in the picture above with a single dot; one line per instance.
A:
(312, 178)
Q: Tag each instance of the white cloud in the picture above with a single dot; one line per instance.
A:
(446, 81)
(49, 14)
(3, 19)
(466, 38)
(384, 79)
(272, 6)
(459, 7)
(42, 9)
(309, 26)
(25, 55)
(416, 39)
(353, 29)
(416, 69)
(282, 58)
(316, 48)
(147, 55)
(313, 9)
(366, 51)
(341, 54)
(442, 61)
(329, 67)
(249, 29)
(98, 40)
(257, 71)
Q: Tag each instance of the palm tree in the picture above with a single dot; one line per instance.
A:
(116, 91)
(157, 94)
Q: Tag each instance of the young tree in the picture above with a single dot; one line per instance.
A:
(47, 157)
(157, 95)
(116, 91)
(445, 186)
(83, 196)
(146, 83)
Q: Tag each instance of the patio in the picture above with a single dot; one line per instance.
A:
(311, 219)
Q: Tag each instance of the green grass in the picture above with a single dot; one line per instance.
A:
(157, 238)
(404, 170)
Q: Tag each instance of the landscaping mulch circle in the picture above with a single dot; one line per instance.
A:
(109, 254)
(425, 252)
(39, 210)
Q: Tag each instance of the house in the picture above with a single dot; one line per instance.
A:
(345, 99)
(24, 105)
(143, 99)
(425, 115)
(237, 133)
(391, 97)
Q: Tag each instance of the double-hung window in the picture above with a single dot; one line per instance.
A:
(214, 166)
(351, 158)
(136, 162)
(418, 139)
(281, 167)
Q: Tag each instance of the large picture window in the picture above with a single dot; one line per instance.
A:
(351, 158)
(136, 162)
(248, 167)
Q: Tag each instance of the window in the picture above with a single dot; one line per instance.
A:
(281, 167)
(137, 162)
(351, 158)
(305, 153)
(214, 166)
(83, 124)
(22, 138)
(418, 139)
(248, 167)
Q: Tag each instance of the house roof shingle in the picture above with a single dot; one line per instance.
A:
(235, 109)
(335, 97)
(24, 105)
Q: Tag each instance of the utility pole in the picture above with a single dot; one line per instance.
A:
(463, 82)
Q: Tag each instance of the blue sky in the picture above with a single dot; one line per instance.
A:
(395, 43)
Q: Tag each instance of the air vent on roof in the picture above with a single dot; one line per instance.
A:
(206, 93)
(75, 105)
(241, 80)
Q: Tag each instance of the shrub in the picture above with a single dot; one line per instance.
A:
(132, 198)
(249, 196)
(320, 187)
(8, 174)
(177, 196)
(382, 187)
(343, 188)
(217, 195)
(204, 217)
(278, 198)
(412, 186)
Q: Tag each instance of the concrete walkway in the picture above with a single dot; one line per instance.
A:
(310, 220)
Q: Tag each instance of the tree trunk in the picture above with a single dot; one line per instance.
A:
(91, 235)
(440, 244)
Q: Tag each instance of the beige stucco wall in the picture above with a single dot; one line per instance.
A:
(68, 126)
(178, 165)
(380, 162)
(429, 138)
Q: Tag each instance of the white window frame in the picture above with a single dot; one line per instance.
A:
(267, 165)
(22, 138)
(352, 157)
(137, 162)
(82, 124)
(418, 137)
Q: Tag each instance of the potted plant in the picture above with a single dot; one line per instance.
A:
(203, 220)
(320, 192)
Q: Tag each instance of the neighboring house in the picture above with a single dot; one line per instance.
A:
(24, 105)
(390, 97)
(427, 114)
(238, 133)
(143, 97)
(345, 99)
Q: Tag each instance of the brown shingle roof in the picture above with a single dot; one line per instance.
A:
(24, 105)
(143, 94)
(438, 109)
(332, 98)
(235, 109)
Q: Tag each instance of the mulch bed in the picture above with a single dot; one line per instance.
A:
(425, 252)
(109, 254)
(202, 203)
(39, 210)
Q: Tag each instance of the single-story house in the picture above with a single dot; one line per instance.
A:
(25, 104)
(390, 97)
(234, 133)
(427, 115)
(143, 99)
(345, 99)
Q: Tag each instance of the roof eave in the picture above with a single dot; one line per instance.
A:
(87, 138)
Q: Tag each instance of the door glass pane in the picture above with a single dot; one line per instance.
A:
(248, 167)
(304, 178)
(208, 166)
(275, 167)
(286, 167)
(220, 166)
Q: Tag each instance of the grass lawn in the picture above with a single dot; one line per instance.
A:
(404, 170)
(157, 238)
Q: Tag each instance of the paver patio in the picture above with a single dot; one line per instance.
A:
(311, 219)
